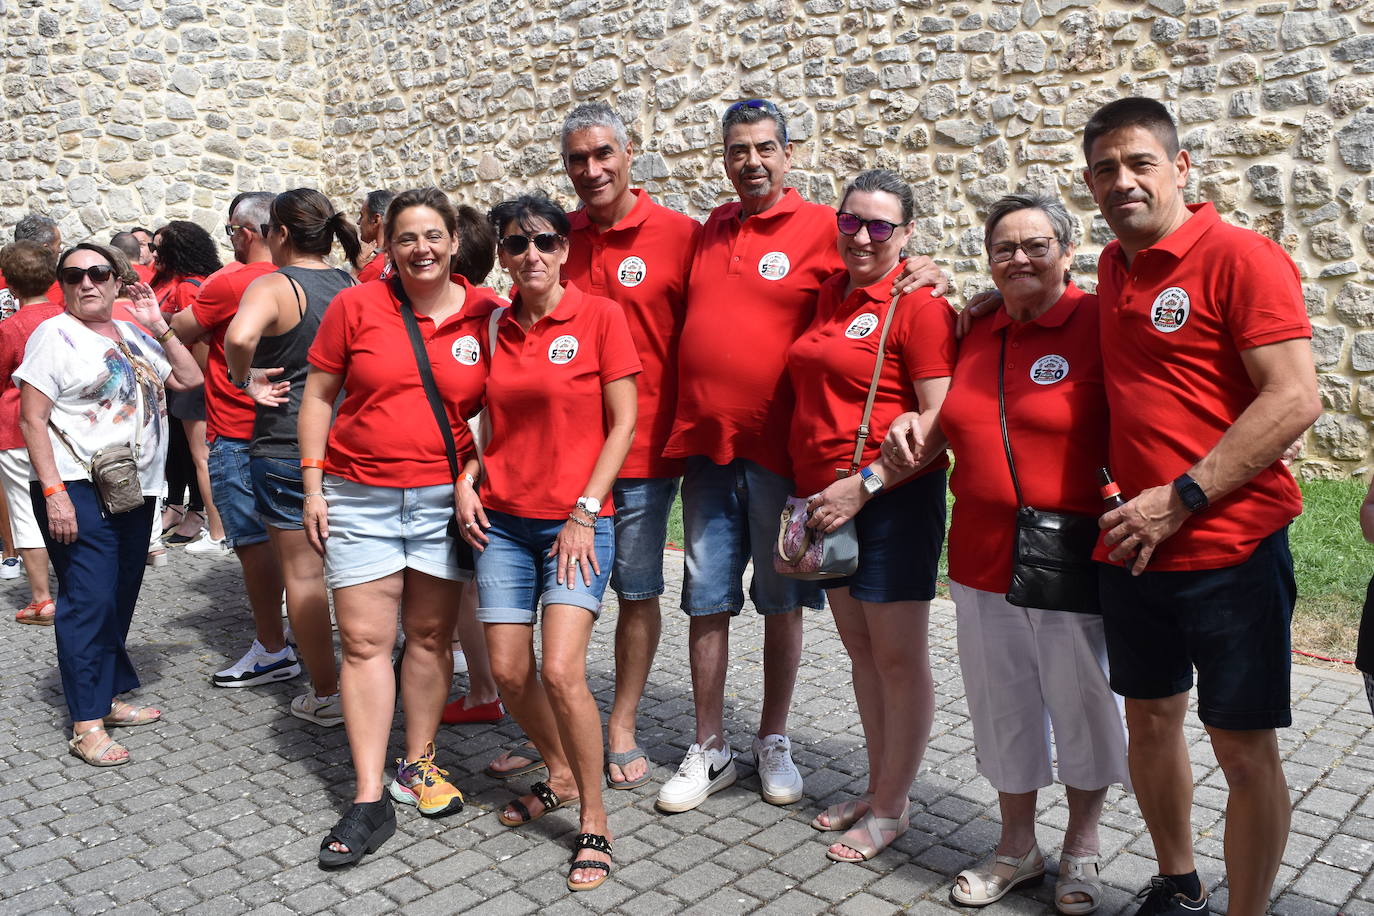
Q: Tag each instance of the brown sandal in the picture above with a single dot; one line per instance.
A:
(100, 757)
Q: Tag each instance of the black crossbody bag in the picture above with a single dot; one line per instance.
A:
(1051, 564)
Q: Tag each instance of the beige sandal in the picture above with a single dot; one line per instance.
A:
(986, 886)
(1077, 875)
(841, 816)
(882, 831)
(128, 715)
(100, 756)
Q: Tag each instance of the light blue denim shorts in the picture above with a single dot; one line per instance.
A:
(642, 505)
(516, 576)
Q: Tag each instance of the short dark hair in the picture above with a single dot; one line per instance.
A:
(184, 250)
(1132, 111)
(525, 209)
(29, 267)
(376, 202)
(115, 258)
(430, 197)
(128, 243)
(752, 111)
(476, 246)
(138, 229)
(887, 181)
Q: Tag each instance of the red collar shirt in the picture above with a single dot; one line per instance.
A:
(373, 269)
(545, 403)
(752, 293)
(1174, 324)
(831, 368)
(1056, 422)
(642, 262)
(385, 433)
(228, 411)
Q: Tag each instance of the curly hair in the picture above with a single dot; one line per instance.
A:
(184, 250)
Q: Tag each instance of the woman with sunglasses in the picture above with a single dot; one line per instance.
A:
(266, 347)
(89, 382)
(882, 610)
(561, 402)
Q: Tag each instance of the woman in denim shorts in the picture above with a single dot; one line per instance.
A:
(561, 402)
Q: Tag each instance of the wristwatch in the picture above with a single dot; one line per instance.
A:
(243, 385)
(872, 483)
(590, 505)
(1191, 494)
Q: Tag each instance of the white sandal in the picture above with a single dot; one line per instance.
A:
(1077, 875)
(985, 886)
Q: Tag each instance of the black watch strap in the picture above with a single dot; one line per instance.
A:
(1191, 494)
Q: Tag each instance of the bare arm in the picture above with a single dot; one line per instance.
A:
(312, 432)
(185, 370)
(35, 408)
(257, 315)
(1285, 406)
(187, 328)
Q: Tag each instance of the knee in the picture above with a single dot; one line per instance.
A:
(510, 681)
(361, 648)
(1246, 759)
(1155, 720)
(563, 679)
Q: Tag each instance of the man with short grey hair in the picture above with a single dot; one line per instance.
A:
(36, 227)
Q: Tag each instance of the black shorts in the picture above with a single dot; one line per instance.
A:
(1232, 624)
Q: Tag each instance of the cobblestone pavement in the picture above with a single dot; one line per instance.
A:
(223, 808)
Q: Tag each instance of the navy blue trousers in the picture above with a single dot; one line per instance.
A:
(98, 578)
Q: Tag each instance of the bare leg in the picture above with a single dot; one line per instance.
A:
(307, 605)
(637, 633)
(782, 645)
(708, 646)
(6, 528)
(367, 631)
(262, 581)
(428, 611)
(1257, 815)
(1081, 837)
(511, 648)
(35, 561)
(1018, 831)
(481, 686)
(1163, 778)
(200, 458)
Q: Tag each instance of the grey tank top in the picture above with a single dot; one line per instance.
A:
(274, 428)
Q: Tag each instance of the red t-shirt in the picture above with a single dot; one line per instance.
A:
(145, 273)
(831, 368)
(372, 270)
(544, 399)
(1173, 327)
(1056, 422)
(752, 292)
(178, 294)
(14, 334)
(385, 434)
(642, 262)
(229, 412)
(55, 294)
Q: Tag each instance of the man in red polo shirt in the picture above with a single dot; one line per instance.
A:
(1209, 378)
(370, 217)
(628, 248)
(35, 227)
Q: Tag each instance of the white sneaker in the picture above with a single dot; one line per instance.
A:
(778, 776)
(10, 568)
(703, 771)
(204, 544)
(258, 666)
(326, 711)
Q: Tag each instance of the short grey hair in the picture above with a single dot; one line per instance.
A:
(1053, 208)
(254, 209)
(887, 181)
(595, 114)
(752, 111)
(36, 228)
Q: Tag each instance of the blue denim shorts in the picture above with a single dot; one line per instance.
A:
(516, 576)
(231, 486)
(900, 535)
(377, 531)
(278, 492)
(730, 516)
(642, 505)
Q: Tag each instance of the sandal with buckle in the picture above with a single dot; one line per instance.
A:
(524, 751)
(37, 613)
(100, 755)
(1077, 875)
(621, 759)
(593, 841)
(127, 714)
(841, 816)
(547, 797)
(985, 886)
(882, 831)
(362, 829)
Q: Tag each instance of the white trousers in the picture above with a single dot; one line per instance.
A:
(14, 475)
(1027, 673)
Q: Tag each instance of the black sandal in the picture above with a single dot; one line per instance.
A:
(547, 797)
(363, 829)
(598, 843)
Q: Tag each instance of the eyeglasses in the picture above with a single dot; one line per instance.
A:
(516, 245)
(152, 246)
(264, 229)
(1034, 248)
(879, 230)
(99, 273)
(761, 105)
(230, 229)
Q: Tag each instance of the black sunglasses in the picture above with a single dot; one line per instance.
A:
(99, 273)
(264, 229)
(879, 230)
(516, 245)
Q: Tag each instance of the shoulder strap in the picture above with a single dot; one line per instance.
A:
(193, 281)
(1002, 416)
(861, 436)
(417, 344)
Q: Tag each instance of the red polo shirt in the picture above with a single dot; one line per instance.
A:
(642, 262)
(14, 335)
(1056, 421)
(384, 433)
(752, 292)
(228, 411)
(178, 294)
(372, 270)
(1174, 324)
(544, 398)
(831, 368)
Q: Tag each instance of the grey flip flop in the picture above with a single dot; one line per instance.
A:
(620, 758)
(524, 751)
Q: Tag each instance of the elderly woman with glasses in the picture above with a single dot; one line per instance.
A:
(1029, 672)
(87, 383)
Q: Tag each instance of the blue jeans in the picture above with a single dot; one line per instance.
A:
(516, 575)
(642, 505)
(278, 492)
(231, 485)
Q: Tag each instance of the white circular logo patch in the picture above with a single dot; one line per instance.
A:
(861, 326)
(1049, 369)
(631, 271)
(1170, 311)
(774, 265)
(563, 350)
(467, 350)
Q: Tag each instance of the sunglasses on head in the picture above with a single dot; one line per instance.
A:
(761, 105)
(516, 245)
(99, 273)
(879, 230)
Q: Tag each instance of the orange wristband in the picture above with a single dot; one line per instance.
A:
(55, 488)
(313, 463)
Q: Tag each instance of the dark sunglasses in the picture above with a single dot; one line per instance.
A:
(264, 229)
(879, 230)
(100, 273)
(152, 246)
(516, 245)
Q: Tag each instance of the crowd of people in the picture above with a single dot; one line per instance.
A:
(401, 436)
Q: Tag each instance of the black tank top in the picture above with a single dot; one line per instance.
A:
(274, 428)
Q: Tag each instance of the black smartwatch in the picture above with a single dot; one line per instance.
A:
(243, 385)
(1191, 494)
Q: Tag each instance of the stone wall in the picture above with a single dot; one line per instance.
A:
(170, 107)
